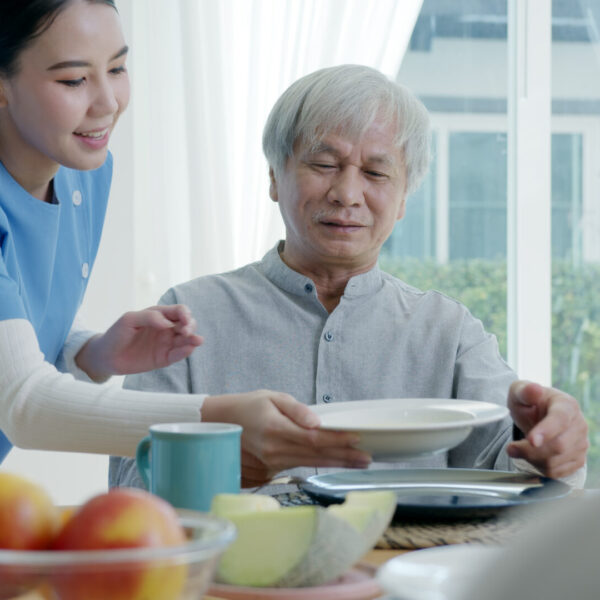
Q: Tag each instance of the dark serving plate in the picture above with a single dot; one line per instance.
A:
(440, 494)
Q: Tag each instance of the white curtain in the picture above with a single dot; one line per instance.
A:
(205, 74)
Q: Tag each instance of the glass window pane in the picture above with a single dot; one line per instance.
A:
(566, 197)
(453, 237)
(477, 195)
(414, 235)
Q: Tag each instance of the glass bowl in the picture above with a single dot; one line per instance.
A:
(167, 573)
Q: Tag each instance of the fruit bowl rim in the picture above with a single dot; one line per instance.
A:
(193, 551)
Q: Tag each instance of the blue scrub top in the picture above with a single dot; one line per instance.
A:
(5, 446)
(47, 252)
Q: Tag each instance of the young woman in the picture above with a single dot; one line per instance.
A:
(63, 86)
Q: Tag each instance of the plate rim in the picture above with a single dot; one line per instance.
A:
(457, 471)
(482, 413)
(561, 490)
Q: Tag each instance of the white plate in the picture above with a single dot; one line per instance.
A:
(400, 428)
(442, 573)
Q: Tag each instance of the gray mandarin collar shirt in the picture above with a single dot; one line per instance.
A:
(264, 327)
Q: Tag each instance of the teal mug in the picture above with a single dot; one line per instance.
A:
(188, 463)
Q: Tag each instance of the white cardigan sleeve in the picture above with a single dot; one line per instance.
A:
(44, 409)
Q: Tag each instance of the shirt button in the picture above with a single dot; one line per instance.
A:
(328, 336)
(327, 398)
(308, 288)
(76, 197)
(85, 270)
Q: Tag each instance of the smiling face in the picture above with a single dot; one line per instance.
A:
(67, 94)
(341, 200)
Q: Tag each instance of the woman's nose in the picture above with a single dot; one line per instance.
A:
(105, 100)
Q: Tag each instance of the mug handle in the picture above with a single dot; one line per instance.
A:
(142, 458)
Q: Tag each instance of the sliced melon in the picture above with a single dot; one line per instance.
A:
(381, 505)
(224, 505)
(299, 545)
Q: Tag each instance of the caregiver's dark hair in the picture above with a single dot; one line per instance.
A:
(21, 21)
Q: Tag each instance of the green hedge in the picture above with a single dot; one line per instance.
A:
(481, 286)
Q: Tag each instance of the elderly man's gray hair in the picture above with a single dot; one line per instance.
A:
(348, 98)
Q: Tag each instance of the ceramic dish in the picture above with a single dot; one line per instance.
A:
(357, 584)
(396, 429)
(443, 573)
(440, 493)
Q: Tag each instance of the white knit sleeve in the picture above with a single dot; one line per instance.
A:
(44, 409)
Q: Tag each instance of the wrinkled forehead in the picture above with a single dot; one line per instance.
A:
(353, 129)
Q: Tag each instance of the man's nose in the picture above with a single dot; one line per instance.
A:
(347, 188)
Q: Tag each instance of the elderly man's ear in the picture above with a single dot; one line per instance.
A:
(273, 185)
(401, 209)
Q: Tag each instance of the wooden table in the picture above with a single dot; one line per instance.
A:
(377, 557)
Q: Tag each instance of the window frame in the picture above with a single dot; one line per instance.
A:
(529, 285)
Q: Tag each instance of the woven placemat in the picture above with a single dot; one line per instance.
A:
(490, 530)
(495, 529)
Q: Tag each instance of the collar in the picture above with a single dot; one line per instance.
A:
(19, 195)
(295, 283)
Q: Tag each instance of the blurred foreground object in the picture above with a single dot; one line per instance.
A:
(555, 558)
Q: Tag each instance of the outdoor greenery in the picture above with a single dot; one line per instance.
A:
(481, 286)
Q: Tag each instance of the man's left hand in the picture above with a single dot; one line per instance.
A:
(556, 433)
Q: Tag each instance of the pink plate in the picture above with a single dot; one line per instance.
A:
(356, 584)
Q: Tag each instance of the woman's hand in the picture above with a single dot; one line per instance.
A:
(140, 341)
(281, 433)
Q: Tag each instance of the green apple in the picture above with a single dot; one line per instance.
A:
(299, 545)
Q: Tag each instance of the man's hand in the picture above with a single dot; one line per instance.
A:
(281, 433)
(555, 429)
(140, 341)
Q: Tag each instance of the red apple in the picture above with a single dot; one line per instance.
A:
(28, 518)
(121, 518)
(28, 521)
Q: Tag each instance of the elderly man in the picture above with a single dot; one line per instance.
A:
(317, 319)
